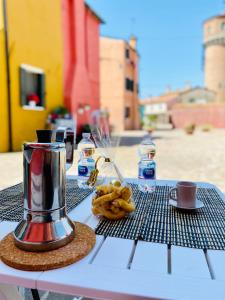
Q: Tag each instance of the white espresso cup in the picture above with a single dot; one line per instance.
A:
(185, 194)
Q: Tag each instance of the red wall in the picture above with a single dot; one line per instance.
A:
(93, 58)
(81, 58)
(212, 114)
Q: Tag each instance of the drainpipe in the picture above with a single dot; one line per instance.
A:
(8, 74)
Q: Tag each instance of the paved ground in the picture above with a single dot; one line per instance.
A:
(199, 157)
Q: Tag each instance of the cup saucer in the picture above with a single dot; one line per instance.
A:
(199, 204)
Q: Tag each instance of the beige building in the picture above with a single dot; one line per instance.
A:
(119, 82)
(162, 105)
(214, 60)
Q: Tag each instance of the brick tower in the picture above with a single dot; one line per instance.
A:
(214, 63)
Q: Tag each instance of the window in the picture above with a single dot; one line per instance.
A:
(221, 85)
(137, 88)
(32, 87)
(129, 84)
(127, 112)
(223, 26)
(127, 53)
(191, 100)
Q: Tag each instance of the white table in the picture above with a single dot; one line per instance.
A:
(123, 269)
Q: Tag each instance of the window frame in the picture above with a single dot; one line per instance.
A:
(127, 53)
(24, 71)
(222, 26)
(127, 112)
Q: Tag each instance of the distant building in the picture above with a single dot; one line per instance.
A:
(214, 55)
(162, 106)
(159, 106)
(119, 82)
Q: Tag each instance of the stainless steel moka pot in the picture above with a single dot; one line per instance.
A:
(46, 225)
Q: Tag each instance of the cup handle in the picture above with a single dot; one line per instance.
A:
(170, 194)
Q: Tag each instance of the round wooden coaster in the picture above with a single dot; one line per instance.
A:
(82, 244)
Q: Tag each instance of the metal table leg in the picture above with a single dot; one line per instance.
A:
(35, 294)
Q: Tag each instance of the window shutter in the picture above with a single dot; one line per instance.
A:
(41, 88)
(22, 74)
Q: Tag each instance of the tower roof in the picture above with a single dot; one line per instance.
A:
(221, 16)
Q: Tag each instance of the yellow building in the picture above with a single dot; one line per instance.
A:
(119, 82)
(31, 58)
(4, 133)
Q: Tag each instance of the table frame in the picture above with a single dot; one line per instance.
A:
(125, 269)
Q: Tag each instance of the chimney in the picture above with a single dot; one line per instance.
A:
(168, 89)
(187, 85)
(133, 42)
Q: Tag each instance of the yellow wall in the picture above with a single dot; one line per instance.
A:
(3, 88)
(35, 38)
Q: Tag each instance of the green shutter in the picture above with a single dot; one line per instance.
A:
(22, 74)
(41, 88)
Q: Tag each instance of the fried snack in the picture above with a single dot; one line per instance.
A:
(112, 201)
(126, 193)
(116, 183)
(96, 210)
(115, 209)
(114, 216)
(93, 199)
(127, 206)
(117, 190)
(105, 198)
(104, 189)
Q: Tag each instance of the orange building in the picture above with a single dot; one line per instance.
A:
(119, 82)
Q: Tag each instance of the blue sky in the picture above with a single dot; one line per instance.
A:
(169, 36)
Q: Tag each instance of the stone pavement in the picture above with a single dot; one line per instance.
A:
(198, 157)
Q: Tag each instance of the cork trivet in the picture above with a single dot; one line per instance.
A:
(82, 244)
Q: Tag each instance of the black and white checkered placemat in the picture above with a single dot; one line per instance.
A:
(11, 200)
(156, 221)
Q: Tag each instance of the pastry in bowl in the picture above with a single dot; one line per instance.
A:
(113, 201)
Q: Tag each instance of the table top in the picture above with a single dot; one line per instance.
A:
(125, 269)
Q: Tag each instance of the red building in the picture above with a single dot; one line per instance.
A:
(81, 59)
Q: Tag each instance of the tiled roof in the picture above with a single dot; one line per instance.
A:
(170, 96)
(161, 99)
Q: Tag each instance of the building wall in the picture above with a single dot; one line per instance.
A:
(93, 63)
(112, 78)
(4, 143)
(81, 59)
(35, 38)
(157, 108)
(198, 95)
(131, 97)
(214, 41)
(114, 69)
(213, 114)
(137, 117)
